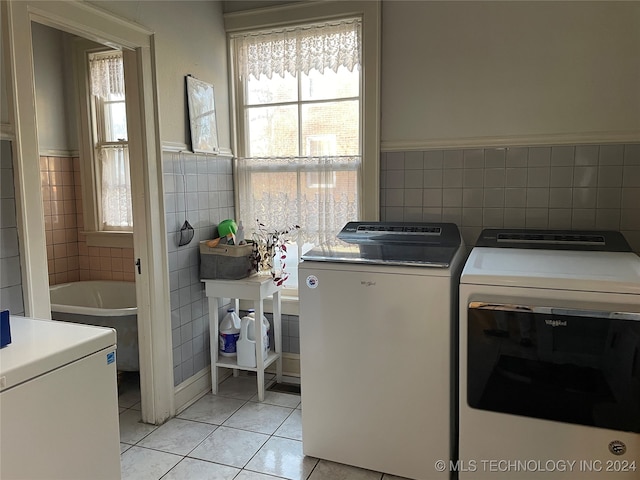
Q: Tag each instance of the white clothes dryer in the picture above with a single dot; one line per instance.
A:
(549, 378)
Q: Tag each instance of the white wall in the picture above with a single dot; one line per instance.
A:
(4, 108)
(189, 39)
(486, 72)
(54, 89)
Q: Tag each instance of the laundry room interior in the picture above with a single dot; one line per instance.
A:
(507, 133)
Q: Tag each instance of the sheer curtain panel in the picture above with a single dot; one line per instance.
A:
(320, 194)
(111, 149)
(115, 188)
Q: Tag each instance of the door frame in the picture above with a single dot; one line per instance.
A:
(150, 247)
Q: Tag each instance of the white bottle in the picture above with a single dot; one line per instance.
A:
(240, 234)
(266, 326)
(246, 347)
(228, 334)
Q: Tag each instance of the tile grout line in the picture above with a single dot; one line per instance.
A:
(245, 401)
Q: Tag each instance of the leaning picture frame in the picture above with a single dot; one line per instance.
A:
(202, 116)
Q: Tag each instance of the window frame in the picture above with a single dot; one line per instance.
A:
(309, 12)
(313, 12)
(95, 236)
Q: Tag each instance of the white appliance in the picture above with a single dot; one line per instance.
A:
(58, 402)
(376, 319)
(549, 357)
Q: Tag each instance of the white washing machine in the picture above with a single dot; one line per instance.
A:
(377, 311)
(550, 357)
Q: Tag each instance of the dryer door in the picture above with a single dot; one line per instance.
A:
(567, 365)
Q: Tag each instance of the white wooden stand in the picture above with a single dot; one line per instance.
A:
(255, 288)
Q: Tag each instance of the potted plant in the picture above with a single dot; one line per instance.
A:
(268, 244)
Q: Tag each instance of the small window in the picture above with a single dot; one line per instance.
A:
(110, 142)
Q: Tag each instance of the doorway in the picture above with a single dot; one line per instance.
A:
(151, 276)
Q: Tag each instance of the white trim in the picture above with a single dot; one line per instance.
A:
(152, 286)
(149, 238)
(193, 389)
(29, 206)
(90, 22)
(290, 305)
(199, 385)
(6, 132)
(290, 367)
(109, 239)
(598, 138)
(291, 14)
(176, 147)
(50, 152)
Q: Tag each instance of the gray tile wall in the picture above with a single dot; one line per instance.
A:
(290, 332)
(197, 188)
(563, 187)
(10, 275)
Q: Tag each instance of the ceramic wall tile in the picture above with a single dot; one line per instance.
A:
(517, 156)
(433, 159)
(632, 154)
(539, 157)
(564, 155)
(611, 155)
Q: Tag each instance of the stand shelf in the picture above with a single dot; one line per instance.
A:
(255, 288)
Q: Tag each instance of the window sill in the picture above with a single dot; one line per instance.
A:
(109, 239)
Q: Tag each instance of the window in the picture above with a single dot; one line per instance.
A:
(110, 142)
(298, 92)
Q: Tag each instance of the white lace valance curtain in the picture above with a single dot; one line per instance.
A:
(318, 193)
(107, 75)
(300, 49)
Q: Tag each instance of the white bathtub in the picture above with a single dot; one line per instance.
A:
(106, 304)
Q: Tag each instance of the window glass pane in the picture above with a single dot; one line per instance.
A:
(115, 119)
(329, 84)
(331, 128)
(273, 131)
(274, 90)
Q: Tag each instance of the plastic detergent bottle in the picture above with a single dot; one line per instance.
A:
(228, 333)
(266, 326)
(246, 346)
(240, 234)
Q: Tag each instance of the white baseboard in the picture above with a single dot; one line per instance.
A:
(196, 387)
(290, 365)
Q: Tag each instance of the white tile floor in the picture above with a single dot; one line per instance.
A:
(223, 437)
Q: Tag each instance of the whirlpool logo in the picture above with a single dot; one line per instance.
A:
(617, 447)
(556, 323)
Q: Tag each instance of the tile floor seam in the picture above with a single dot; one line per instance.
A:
(215, 456)
(188, 455)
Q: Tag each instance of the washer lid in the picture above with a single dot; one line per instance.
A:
(391, 243)
(397, 254)
(614, 272)
(40, 346)
(592, 240)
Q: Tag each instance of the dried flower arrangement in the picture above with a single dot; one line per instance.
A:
(268, 243)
